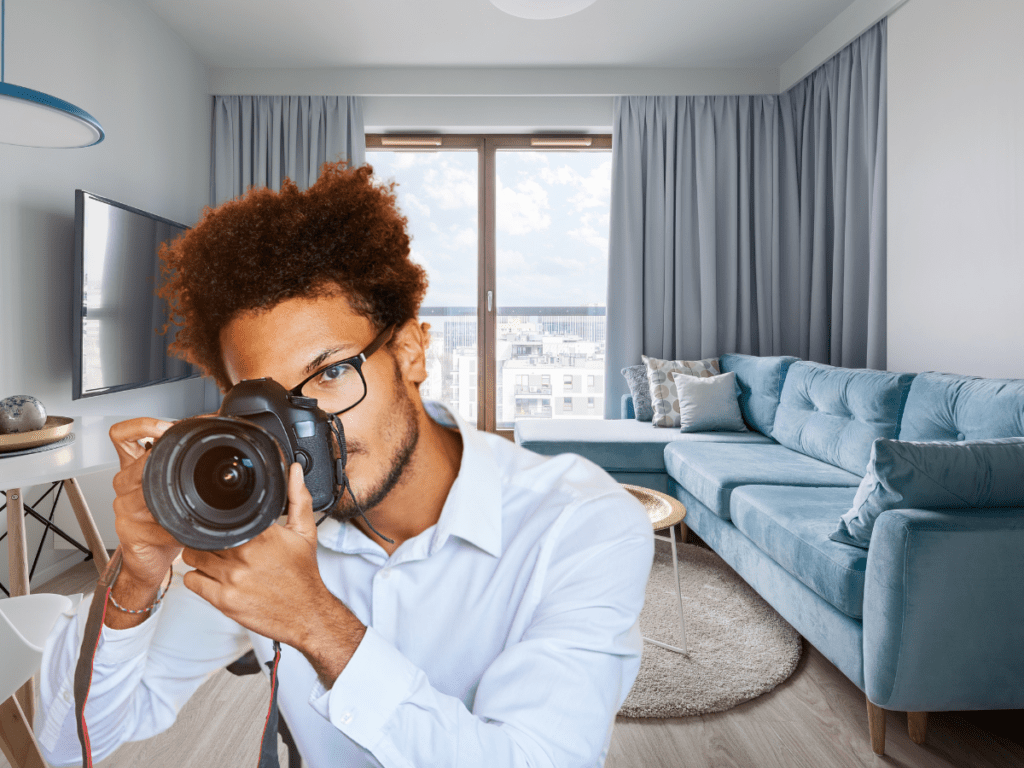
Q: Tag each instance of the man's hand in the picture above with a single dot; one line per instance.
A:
(148, 550)
(271, 585)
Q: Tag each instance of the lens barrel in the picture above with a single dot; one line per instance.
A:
(215, 482)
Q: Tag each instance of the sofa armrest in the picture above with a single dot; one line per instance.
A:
(944, 610)
(627, 411)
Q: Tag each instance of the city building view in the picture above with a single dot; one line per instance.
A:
(551, 277)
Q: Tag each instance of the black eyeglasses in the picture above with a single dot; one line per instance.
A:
(340, 386)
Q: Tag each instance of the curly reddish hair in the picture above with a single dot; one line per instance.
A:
(251, 253)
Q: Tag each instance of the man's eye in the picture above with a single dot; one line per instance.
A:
(334, 374)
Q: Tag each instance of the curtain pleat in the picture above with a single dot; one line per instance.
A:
(752, 224)
(262, 140)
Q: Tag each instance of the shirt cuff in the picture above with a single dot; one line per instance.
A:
(122, 644)
(376, 680)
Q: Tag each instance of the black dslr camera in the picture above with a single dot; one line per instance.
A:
(214, 482)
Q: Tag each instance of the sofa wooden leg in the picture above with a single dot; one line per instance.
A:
(876, 726)
(917, 726)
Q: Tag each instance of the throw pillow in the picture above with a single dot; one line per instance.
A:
(640, 391)
(664, 397)
(709, 404)
(934, 475)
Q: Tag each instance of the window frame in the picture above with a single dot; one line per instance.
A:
(487, 146)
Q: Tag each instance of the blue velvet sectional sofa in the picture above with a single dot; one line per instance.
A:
(931, 616)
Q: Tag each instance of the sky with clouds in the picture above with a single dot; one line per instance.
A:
(552, 224)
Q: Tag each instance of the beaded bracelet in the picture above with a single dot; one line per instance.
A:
(148, 608)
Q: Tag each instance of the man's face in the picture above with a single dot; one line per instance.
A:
(297, 337)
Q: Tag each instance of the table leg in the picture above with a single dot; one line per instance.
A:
(679, 592)
(17, 742)
(87, 524)
(17, 561)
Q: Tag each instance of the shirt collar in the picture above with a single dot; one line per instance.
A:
(471, 512)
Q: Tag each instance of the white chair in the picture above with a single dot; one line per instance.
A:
(24, 624)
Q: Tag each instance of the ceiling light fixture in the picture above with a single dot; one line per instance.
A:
(541, 9)
(33, 119)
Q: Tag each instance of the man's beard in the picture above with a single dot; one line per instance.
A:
(345, 508)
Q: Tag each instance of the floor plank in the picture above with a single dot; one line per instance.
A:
(815, 719)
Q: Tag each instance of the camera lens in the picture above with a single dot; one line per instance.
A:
(215, 482)
(222, 478)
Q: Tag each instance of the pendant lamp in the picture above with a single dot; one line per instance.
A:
(541, 9)
(33, 119)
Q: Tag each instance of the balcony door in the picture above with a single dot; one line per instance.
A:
(513, 233)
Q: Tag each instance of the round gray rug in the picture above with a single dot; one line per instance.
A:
(739, 647)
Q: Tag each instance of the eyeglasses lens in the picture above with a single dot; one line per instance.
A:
(336, 388)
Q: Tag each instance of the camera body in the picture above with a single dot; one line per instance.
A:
(217, 482)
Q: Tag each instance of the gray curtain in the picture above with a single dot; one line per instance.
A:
(752, 224)
(261, 140)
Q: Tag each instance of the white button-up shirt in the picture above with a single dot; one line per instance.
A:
(505, 635)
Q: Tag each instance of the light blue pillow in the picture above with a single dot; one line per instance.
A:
(640, 391)
(934, 475)
(709, 403)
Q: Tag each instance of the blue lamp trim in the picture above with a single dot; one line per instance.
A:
(27, 94)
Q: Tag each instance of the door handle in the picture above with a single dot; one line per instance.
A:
(490, 301)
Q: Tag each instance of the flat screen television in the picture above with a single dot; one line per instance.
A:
(118, 318)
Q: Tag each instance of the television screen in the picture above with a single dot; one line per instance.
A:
(118, 339)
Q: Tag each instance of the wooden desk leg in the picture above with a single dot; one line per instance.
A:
(17, 742)
(17, 560)
(87, 524)
(17, 548)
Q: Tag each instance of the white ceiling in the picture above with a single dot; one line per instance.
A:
(749, 34)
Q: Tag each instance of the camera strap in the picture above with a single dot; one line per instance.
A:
(87, 656)
(339, 434)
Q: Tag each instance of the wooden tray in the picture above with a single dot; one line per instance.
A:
(56, 428)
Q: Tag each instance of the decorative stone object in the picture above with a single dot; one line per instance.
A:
(21, 413)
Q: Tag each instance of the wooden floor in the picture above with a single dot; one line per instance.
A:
(816, 719)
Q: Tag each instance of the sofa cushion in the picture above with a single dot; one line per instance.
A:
(835, 414)
(639, 391)
(664, 397)
(942, 406)
(709, 471)
(708, 404)
(934, 475)
(616, 445)
(760, 380)
(792, 526)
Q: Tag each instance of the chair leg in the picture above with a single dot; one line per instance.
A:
(917, 726)
(17, 742)
(876, 726)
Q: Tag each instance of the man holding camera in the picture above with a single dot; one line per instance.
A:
(467, 602)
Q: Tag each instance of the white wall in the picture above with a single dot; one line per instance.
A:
(118, 61)
(956, 188)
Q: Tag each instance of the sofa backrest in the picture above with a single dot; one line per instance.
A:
(760, 380)
(835, 414)
(945, 406)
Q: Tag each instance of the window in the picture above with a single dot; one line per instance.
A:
(513, 233)
(590, 403)
(567, 381)
(566, 403)
(590, 382)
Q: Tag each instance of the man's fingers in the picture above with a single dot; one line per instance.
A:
(126, 434)
(300, 505)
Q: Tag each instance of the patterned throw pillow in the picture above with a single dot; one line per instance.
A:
(640, 391)
(664, 396)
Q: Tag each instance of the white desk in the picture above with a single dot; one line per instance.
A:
(91, 452)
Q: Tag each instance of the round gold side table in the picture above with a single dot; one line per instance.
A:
(665, 512)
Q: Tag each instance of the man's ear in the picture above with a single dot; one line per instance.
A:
(410, 352)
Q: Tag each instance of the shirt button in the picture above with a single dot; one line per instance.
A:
(385, 573)
(346, 718)
(67, 696)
